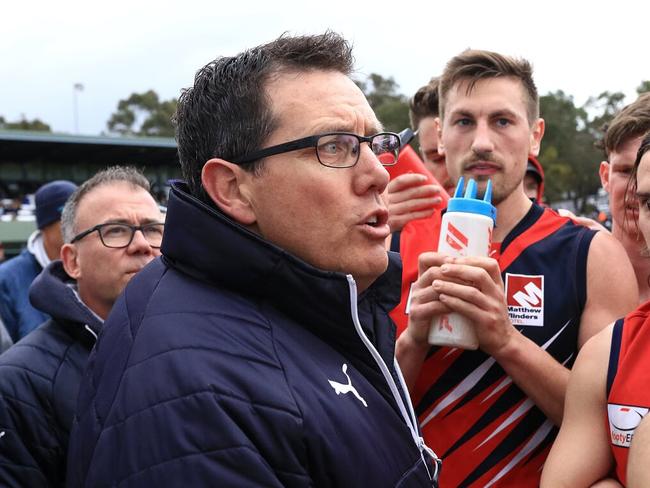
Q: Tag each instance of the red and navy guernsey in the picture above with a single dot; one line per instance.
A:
(628, 376)
(485, 429)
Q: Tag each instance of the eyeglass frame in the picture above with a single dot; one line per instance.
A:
(133, 228)
(312, 141)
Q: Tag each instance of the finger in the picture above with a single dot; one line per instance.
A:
(431, 259)
(397, 222)
(466, 293)
(414, 204)
(421, 315)
(469, 310)
(405, 194)
(407, 180)
(487, 264)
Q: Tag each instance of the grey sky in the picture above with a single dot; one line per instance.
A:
(120, 47)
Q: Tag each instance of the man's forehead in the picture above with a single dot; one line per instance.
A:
(626, 150)
(493, 93)
(320, 101)
(116, 198)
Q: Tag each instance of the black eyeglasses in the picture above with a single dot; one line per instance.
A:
(336, 149)
(121, 235)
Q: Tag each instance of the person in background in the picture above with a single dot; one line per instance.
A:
(258, 350)
(547, 287)
(43, 246)
(608, 392)
(408, 198)
(621, 142)
(112, 228)
(534, 180)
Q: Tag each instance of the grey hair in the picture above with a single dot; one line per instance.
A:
(112, 174)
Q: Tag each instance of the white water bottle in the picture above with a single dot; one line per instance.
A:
(466, 230)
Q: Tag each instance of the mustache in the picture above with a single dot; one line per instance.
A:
(480, 157)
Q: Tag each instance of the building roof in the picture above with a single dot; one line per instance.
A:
(31, 146)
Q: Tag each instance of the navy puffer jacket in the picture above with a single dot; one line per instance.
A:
(39, 381)
(229, 362)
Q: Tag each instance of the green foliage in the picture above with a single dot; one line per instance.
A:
(143, 114)
(606, 105)
(389, 105)
(24, 124)
(569, 154)
(644, 87)
(570, 148)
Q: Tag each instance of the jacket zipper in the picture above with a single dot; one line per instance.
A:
(409, 417)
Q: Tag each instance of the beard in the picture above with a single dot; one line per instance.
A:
(502, 186)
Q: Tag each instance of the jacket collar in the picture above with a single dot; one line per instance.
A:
(55, 293)
(204, 243)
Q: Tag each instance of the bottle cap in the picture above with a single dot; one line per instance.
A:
(469, 203)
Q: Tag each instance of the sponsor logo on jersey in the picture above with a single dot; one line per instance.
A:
(525, 298)
(623, 421)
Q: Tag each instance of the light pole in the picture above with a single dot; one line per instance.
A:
(76, 88)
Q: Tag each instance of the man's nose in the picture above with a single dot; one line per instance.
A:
(372, 175)
(139, 242)
(482, 141)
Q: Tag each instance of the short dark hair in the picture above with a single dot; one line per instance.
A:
(643, 148)
(633, 121)
(227, 114)
(632, 183)
(112, 174)
(424, 103)
(475, 65)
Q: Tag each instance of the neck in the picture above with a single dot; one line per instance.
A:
(634, 245)
(509, 212)
(100, 308)
(51, 241)
(51, 250)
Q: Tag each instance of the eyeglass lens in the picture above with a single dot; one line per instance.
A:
(120, 235)
(342, 150)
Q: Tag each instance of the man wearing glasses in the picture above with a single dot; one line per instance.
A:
(112, 228)
(258, 351)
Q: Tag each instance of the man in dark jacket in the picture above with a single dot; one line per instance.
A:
(43, 246)
(258, 350)
(40, 374)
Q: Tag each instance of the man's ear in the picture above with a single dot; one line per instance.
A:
(438, 125)
(536, 134)
(603, 172)
(224, 183)
(70, 260)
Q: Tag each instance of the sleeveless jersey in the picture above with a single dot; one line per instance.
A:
(485, 429)
(628, 377)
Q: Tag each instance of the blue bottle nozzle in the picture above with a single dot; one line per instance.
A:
(488, 192)
(469, 202)
(470, 191)
(458, 193)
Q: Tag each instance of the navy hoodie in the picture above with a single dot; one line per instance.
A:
(39, 381)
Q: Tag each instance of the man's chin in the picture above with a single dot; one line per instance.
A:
(371, 272)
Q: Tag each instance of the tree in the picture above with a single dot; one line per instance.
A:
(606, 105)
(143, 114)
(24, 124)
(644, 87)
(570, 155)
(389, 105)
